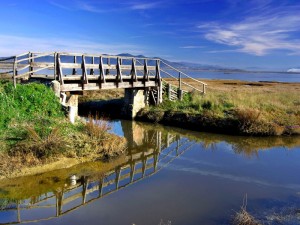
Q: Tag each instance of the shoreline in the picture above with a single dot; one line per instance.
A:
(231, 107)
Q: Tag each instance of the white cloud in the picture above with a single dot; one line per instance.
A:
(260, 34)
(62, 6)
(144, 5)
(105, 6)
(191, 47)
(90, 8)
(14, 45)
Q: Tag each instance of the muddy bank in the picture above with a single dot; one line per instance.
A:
(210, 123)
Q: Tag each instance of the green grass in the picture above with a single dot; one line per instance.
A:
(34, 130)
(31, 102)
(255, 112)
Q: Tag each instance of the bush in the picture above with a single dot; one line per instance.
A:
(26, 103)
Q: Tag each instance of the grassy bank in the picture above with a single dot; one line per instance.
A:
(229, 106)
(234, 107)
(34, 131)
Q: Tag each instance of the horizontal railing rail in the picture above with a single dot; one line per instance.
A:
(83, 71)
(180, 77)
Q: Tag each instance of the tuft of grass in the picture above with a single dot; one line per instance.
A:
(97, 128)
(40, 147)
(243, 217)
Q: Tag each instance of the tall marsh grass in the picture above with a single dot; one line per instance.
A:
(260, 111)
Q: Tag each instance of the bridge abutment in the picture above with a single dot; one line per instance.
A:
(134, 101)
(70, 102)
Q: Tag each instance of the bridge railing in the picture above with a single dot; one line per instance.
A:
(6, 67)
(197, 84)
(77, 72)
(96, 69)
(92, 69)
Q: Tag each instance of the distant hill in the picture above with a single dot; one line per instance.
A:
(184, 65)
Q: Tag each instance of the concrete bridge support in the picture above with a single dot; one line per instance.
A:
(134, 101)
(70, 102)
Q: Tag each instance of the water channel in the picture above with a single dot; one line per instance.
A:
(168, 176)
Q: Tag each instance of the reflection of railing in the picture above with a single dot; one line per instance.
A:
(83, 190)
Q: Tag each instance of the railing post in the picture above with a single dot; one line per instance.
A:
(107, 70)
(169, 87)
(59, 69)
(119, 71)
(100, 187)
(179, 80)
(15, 72)
(84, 72)
(74, 69)
(133, 71)
(132, 171)
(30, 61)
(158, 80)
(84, 189)
(179, 94)
(93, 62)
(18, 213)
(55, 66)
(118, 173)
(102, 75)
(146, 71)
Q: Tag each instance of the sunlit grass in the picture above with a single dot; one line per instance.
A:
(259, 108)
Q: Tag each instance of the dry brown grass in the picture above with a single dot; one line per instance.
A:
(85, 141)
(100, 141)
(35, 148)
(243, 217)
(270, 108)
(97, 128)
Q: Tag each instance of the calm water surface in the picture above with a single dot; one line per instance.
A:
(245, 76)
(169, 176)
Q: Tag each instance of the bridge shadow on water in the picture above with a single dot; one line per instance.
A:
(150, 149)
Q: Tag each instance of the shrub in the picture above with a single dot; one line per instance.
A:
(96, 129)
(27, 102)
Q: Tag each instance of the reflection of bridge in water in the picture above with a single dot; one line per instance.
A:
(149, 152)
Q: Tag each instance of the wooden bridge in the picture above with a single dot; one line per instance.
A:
(74, 73)
(79, 191)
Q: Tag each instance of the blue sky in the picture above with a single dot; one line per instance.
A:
(232, 33)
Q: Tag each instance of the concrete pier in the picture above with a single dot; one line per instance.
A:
(134, 101)
(71, 101)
